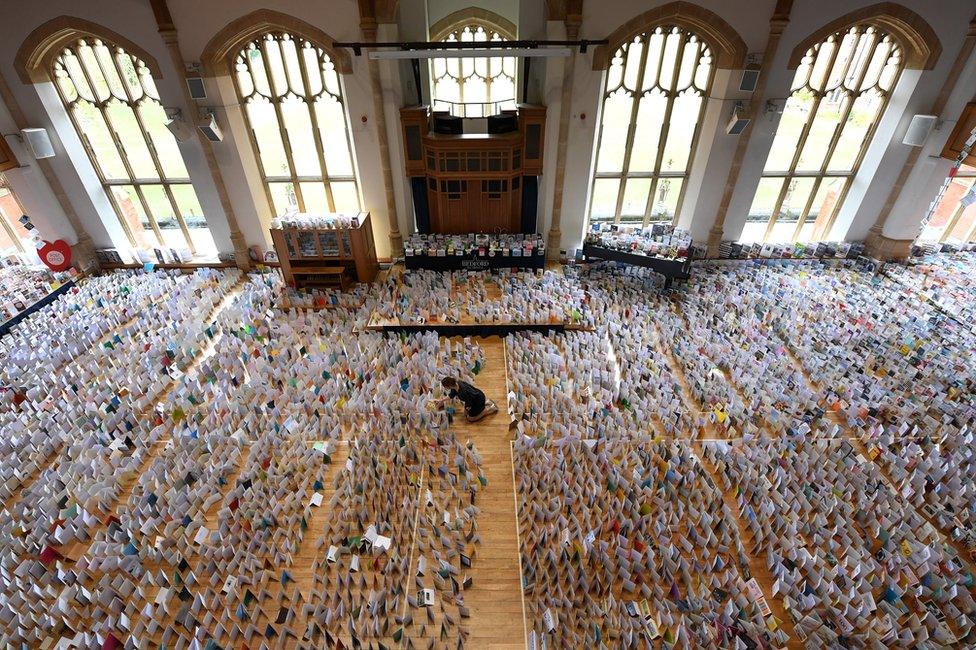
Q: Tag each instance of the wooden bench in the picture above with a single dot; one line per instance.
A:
(335, 276)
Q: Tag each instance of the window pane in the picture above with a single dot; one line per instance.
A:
(107, 67)
(272, 54)
(95, 131)
(782, 232)
(87, 56)
(823, 209)
(666, 199)
(298, 125)
(604, 202)
(167, 151)
(806, 234)
(264, 123)
(795, 116)
(70, 64)
(647, 135)
(332, 125)
(162, 211)
(821, 131)
(613, 139)
(764, 202)
(502, 88)
(133, 143)
(284, 198)
(963, 230)
(306, 58)
(635, 199)
(345, 196)
(10, 212)
(196, 222)
(948, 211)
(795, 199)
(684, 119)
(313, 194)
(130, 76)
(753, 232)
(853, 138)
(134, 214)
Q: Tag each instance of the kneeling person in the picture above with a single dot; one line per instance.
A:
(476, 405)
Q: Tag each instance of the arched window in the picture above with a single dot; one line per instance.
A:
(473, 87)
(289, 90)
(657, 83)
(839, 92)
(113, 103)
(954, 218)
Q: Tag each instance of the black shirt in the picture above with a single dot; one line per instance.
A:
(474, 399)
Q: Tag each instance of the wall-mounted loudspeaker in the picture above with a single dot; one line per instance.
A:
(39, 142)
(738, 122)
(177, 125)
(208, 126)
(750, 72)
(749, 80)
(194, 84)
(918, 130)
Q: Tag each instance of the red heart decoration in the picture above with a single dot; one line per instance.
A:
(56, 255)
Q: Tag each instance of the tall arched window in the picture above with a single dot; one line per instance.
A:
(289, 89)
(113, 103)
(657, 83)
(473, 87)
(839, 93)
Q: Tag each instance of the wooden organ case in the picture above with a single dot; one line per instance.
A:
(474, 182)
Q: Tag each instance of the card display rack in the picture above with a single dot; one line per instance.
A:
(327, 256)
(28, 310)
(671, 269)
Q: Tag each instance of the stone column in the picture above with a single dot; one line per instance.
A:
(876, 244)
(778, 23)
(171, 38)
(565, 108)
(83, 252)
(368, 27)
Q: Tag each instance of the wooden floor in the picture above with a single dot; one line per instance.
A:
(496, 598)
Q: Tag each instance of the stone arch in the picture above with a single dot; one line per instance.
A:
(506, 28)
(726, 45)
(219, 52)
(36, 54)
(920, 44)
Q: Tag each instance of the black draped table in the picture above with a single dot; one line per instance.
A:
(474, 262)
(671, 269)
(7, 325)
